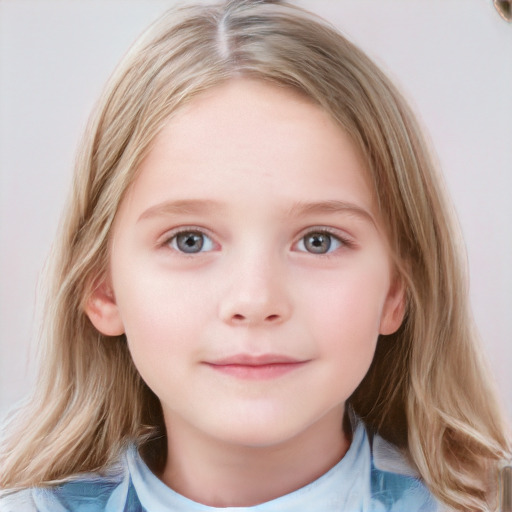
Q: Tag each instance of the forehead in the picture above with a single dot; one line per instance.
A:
(248, 138)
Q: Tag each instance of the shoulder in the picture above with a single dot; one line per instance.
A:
(395, 484)
(20, 501)
(91, 493)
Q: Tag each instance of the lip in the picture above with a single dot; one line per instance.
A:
(256, 367)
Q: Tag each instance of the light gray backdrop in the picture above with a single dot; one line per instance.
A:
(452, 59)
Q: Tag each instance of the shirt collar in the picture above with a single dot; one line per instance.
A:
(346, 486)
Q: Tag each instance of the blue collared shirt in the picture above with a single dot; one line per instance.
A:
(369, 478)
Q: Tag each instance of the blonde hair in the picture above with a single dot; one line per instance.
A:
(437, 404)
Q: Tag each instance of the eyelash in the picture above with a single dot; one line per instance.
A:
(172, 240)
(340, 241)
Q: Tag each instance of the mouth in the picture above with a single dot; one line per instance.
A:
(260, 367)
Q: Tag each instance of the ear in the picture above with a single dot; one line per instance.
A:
(393, 311)
(102, 310)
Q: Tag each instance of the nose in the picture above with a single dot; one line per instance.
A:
(256, 295)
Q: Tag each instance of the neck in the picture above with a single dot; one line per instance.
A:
(223, 474)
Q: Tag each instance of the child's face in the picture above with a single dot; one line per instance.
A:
(249, 269)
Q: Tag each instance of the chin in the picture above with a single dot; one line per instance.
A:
(259, 431)
(258, 438)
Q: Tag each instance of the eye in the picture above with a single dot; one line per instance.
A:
(191, 242)
(319, 242)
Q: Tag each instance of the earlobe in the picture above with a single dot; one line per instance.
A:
(394, 308)
(102, 310)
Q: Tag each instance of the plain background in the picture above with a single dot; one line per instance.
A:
(451, 58)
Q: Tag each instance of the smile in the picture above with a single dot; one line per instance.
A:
(256, 367)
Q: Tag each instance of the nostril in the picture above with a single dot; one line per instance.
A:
(238, 317)
(272, 318)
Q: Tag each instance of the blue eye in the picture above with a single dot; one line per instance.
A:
(191, 242)
(319, 242)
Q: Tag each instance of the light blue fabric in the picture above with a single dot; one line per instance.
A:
(361, 481)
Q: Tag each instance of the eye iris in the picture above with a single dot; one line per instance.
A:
(190, 242)
(318, 243)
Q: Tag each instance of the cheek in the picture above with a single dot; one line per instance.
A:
(162, 316)
(350, 300)
(343, 314)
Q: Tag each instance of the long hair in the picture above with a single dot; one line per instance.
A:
(427, 390)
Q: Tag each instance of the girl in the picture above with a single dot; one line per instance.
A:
(257, 298)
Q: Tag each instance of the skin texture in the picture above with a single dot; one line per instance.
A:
(254, 343)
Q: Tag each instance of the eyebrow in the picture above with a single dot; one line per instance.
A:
(183, 206)
(299, 208)
(330, 207)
